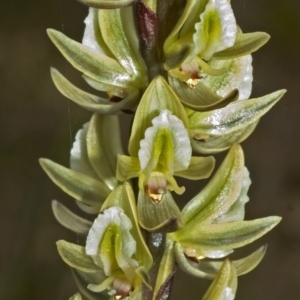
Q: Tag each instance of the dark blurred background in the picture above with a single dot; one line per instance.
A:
(36, 121)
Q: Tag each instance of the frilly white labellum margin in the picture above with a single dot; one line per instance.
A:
(181, 146)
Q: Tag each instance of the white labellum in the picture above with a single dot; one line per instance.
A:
(180, 141)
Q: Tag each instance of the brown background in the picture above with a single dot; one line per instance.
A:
(36, 121)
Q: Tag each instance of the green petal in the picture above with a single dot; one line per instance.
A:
(122, 196)
(75, 256)
(219, 194)
(224, 285)
(245, 43)
(157, 97)
(103, 146)
(127, 167)
(233, 117)
(92, 102)
(159, 217)
(111, 27)
(166, 269)
(226, 236)
(69, 220)
(107, 3)
(206, 144)
(199, 168)
(77, 185)
(95, 65)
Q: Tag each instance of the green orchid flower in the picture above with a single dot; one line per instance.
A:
(160, 149)
(115, 255)
(214, 222)
(91, 176)
(109, 60)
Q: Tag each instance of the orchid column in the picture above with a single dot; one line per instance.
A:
(183, 70)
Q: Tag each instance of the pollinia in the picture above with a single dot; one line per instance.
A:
(183, 69)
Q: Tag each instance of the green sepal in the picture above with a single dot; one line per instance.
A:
(219, 194)
(227, 236)
(75, 256)
(103, 146)
(206, 144)
(107, 4)
(69, 220)
(157, 97)
(166, 269)
(95, 65)
(224, 285)
(199, 168)
(242, 266)
(92, 102)
(114, 35)
(233, 117)
(76, 296)
(164, 216)
(122, 196)
(127, 167)
(77, 185)
(245, 43)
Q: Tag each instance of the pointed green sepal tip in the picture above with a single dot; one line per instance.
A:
(226, 236)
(92, 102)
(79, 186)
(97, 66)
